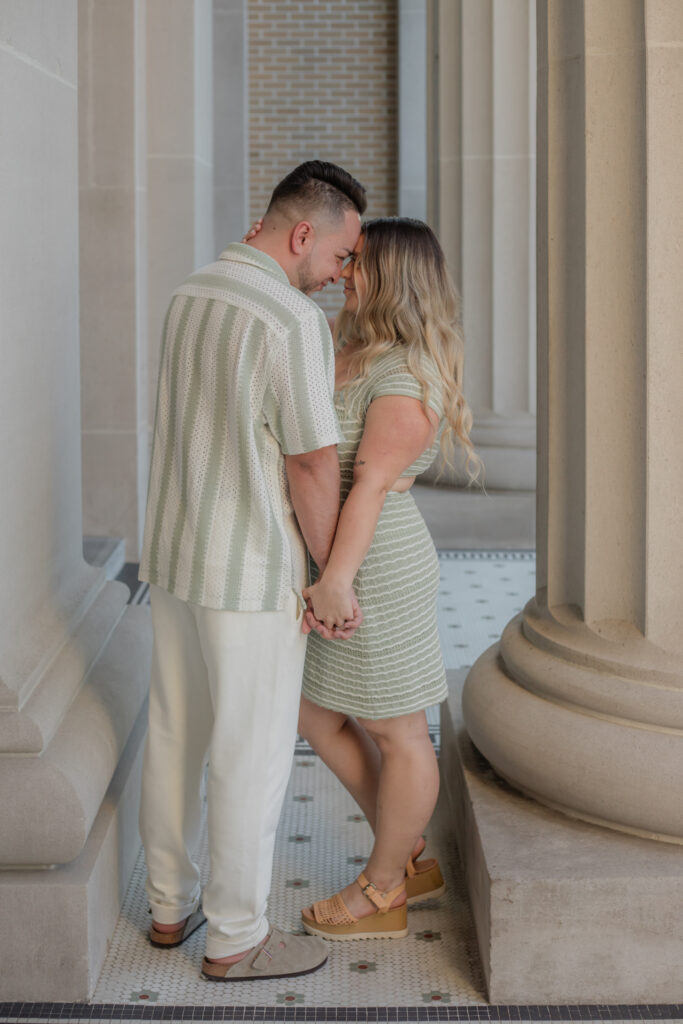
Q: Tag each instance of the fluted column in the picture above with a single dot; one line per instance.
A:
(179, 49)
(412, 108)
(230, 118)
(581, 704)
(74, 659)
(113, 268)
(481, 199)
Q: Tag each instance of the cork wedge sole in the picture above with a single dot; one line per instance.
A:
(426, 883)
(392, 925)
(331, 919)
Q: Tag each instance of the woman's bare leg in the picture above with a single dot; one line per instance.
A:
(406, 796)
(347, 750)
(408, 788)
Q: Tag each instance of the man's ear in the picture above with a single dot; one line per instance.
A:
(301, 237)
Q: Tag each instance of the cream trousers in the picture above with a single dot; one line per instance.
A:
(227, 685)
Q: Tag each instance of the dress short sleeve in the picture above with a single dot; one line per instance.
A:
(400, 381)
(299, 404)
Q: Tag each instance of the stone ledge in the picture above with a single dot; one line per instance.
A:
(565, 912)
(50, 802)
(55, 925)
(30, 728)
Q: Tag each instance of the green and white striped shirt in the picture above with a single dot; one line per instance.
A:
(246, 376)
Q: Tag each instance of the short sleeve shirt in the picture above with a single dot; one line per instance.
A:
(246, 377)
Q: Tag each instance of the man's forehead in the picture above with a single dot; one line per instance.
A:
(342, 234)
(351, 230)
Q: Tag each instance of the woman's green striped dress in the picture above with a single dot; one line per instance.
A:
(392, 665)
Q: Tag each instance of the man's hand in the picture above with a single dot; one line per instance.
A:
(338, 633)
(331, 599)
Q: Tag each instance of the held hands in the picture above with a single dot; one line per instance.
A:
(332, 611)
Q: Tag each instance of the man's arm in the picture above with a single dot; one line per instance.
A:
(314, 487)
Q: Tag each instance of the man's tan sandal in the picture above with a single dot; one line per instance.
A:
(166, 940)
(332, 919)
(424, 880)
(280, 955)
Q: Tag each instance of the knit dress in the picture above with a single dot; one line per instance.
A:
(392, 665)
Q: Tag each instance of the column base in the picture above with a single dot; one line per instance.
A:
(565, 912)
(55, 924)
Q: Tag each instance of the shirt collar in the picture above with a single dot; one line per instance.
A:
(238, 252)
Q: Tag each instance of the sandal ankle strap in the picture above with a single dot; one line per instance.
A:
(382, 900)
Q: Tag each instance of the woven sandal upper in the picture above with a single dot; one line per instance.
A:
(333, 911)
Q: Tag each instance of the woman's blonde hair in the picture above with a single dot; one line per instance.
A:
(410, 300)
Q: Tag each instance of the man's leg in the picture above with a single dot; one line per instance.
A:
(255, 663)
(180, 722)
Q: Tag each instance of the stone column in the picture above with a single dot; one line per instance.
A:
(180, 155)
(231, 121)
(481, 203)
(580, 705)
(412, 108)
(74, 660)
(147, 189)
(113, 234)
(592, 669)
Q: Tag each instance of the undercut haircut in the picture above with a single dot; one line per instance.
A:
(317, 186)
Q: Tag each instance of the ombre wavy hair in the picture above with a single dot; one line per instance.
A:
(411, 301)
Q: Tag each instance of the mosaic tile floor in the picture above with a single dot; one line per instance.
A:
(432, 975)
(480, 592)
(321, 842)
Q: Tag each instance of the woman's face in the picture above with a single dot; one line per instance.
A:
(354, 283)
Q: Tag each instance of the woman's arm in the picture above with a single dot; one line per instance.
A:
(397, 430)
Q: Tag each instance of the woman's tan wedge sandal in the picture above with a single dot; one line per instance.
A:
(333, 920)
(424, 880)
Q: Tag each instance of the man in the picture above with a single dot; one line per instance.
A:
(244, 446)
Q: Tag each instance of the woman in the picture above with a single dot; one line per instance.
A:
(398, 379)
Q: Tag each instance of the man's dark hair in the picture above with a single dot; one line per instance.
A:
(319, 185)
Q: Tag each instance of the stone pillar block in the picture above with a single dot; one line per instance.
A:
(580, 705)
(564, 911)
(55, 926)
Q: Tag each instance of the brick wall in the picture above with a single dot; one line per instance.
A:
(323, 84)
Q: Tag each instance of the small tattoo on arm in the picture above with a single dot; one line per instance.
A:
(359, 462)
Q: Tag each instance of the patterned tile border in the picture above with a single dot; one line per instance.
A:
(342, 1014)
(482, 555)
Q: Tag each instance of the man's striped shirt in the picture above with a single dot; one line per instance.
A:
(246, 376)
